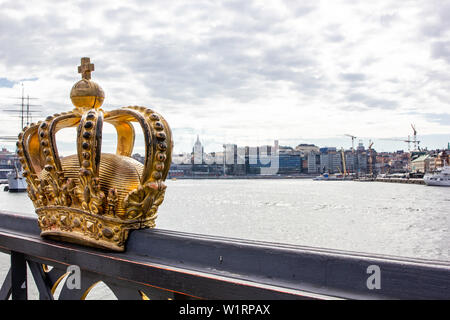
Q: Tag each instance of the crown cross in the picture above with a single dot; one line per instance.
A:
(86, 68)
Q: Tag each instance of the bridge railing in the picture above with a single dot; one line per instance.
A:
(161, 264)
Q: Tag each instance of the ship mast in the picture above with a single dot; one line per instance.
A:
(24, 113)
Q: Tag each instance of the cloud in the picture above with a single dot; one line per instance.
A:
(227, 69)
(441, 49)
(372, 102)
(352, 76)
(436, 19)
(441, 118)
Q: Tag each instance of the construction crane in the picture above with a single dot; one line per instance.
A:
(344, 166)
(403, 140)
(415, 141)
(353, 141)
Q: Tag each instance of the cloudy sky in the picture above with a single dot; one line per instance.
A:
(244, 72)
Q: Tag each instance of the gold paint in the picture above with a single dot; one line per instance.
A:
(143, 295)
(86, 68)
(57, 282)
(95, 198)
(83, 297)
(86, 94)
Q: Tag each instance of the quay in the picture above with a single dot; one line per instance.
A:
(162, 264)
(243, 177)
(401, 180)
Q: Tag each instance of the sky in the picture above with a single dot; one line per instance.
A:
(244, 72)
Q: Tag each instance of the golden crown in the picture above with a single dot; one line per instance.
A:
(95, 198)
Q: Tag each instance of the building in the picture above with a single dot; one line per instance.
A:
(290, 163)
(313, 161)
(304, 158)
(421, 164)
(7, 161)
(330, 160)
(351, 161)
(307, 148)
(197, 152)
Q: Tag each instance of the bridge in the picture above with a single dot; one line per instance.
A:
(161, 264)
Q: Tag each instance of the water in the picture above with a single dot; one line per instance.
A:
(373, 217)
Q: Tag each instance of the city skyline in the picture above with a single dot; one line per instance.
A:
(66, 143)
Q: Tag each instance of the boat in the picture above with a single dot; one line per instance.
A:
(325, 176)
(332, 177)
(440, 177)
(16, 181)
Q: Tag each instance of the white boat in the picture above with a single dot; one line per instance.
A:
(440, 177)
(16, 181)
(332, 177)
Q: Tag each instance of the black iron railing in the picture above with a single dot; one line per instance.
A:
(160, 264)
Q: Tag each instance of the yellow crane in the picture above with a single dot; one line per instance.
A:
(344, 167)
(370, 158)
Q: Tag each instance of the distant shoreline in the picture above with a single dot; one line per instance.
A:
(241, 177)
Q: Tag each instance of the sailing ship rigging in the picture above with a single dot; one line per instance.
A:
(16, 182)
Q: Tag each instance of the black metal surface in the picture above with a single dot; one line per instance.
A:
(18, 276)
(166, 264)
(43, 282)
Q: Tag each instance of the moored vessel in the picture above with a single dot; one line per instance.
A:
(16, 181)
(440, 177)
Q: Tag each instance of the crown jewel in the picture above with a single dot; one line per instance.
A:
(95, 198)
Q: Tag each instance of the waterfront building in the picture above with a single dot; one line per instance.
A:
(362, 162)
(313, 160)
(290, 163)
(442, 157)
(351, 161)
(285, 150)
(253, 166)
(330, 160)
(239, 167)
(304, 158)
(7, 160)
(307, 148)
(180, 170)
(382, 162)
(422, 164)
(197, 152)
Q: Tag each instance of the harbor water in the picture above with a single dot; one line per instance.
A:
(374, 217)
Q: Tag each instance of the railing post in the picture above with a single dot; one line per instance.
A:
(42, 281)
(18, 276)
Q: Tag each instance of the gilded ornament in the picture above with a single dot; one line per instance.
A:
(94, 198)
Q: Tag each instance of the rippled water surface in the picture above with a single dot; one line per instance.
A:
(396, 219)
(374, 217)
